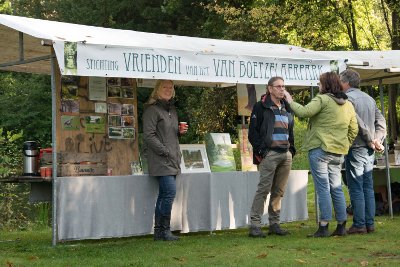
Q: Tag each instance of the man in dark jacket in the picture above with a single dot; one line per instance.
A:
(271, 135)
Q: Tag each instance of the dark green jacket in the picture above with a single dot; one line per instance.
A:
(160, 134)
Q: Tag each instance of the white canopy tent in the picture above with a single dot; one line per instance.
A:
(188, 60)
(373, 66)
(122, 53)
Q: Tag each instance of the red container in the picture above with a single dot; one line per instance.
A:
(49, 171)
(45, 150)
(43, 171)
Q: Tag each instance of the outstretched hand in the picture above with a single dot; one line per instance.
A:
(288, 97)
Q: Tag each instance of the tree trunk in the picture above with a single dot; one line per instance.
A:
(392, 114)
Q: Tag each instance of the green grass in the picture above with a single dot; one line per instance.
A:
(220, 248)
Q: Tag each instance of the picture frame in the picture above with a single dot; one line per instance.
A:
(194, 158)
(219, 152)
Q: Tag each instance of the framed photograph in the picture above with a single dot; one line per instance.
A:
(95, 124)
(114, 120)
(127, 109)
(136, 168)
(100, 107)
(113, 81)
(69, 87)
(220, 152)
(114, 91)
(128, 133)
(70, 122)
(127, 92)
(126, 82)
(70, 106)
(194, 158)
(127, 121)
(115, 133)
(114, 108)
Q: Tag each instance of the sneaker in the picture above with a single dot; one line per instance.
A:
(356, 230)
(277, 230)
(255, 231)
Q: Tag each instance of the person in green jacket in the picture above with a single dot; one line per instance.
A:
(331, 130)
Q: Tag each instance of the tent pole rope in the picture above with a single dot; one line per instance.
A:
(386, 154)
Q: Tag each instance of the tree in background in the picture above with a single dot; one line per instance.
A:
(25, 105)
(393, 27)
(14, 209)
(320, 25)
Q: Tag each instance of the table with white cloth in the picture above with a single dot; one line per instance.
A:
(92, 207)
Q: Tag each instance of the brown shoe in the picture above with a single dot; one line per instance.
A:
(356, 230)
(370, 229)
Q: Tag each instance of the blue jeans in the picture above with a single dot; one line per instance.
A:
(166, 196)
(359, 166)
(325, 169)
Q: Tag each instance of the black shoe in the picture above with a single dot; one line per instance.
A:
(256, 231)
(275, 229)
(340, 230)
(157, 234)
(166, 235)
(321, 232)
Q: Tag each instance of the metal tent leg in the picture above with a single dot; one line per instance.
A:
(388, 180)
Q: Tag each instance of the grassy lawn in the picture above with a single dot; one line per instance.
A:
(220, 248)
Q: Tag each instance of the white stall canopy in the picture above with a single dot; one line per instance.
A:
(373, 66)
(95, 51)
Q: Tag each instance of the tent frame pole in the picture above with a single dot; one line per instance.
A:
(54, 147)
(315, 191)
(386, 155)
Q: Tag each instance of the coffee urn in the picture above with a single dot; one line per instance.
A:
(31, 158)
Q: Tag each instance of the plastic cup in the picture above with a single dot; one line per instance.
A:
(49, 171)
(42, 171)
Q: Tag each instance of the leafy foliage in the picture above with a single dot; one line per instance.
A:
(25, 105)
(10, 153)
(5, 6)
(208, 110)
(13, 197)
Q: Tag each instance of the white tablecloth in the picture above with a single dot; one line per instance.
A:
(116, 206)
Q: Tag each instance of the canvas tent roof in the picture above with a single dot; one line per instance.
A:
(33, 31)
(36, 30)
(381, 65)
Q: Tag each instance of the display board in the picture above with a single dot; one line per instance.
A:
(97, 124)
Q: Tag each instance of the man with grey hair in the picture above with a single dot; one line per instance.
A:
(360, 159)
(272, 138)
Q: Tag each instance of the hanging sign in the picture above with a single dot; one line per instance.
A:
(148, 63)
